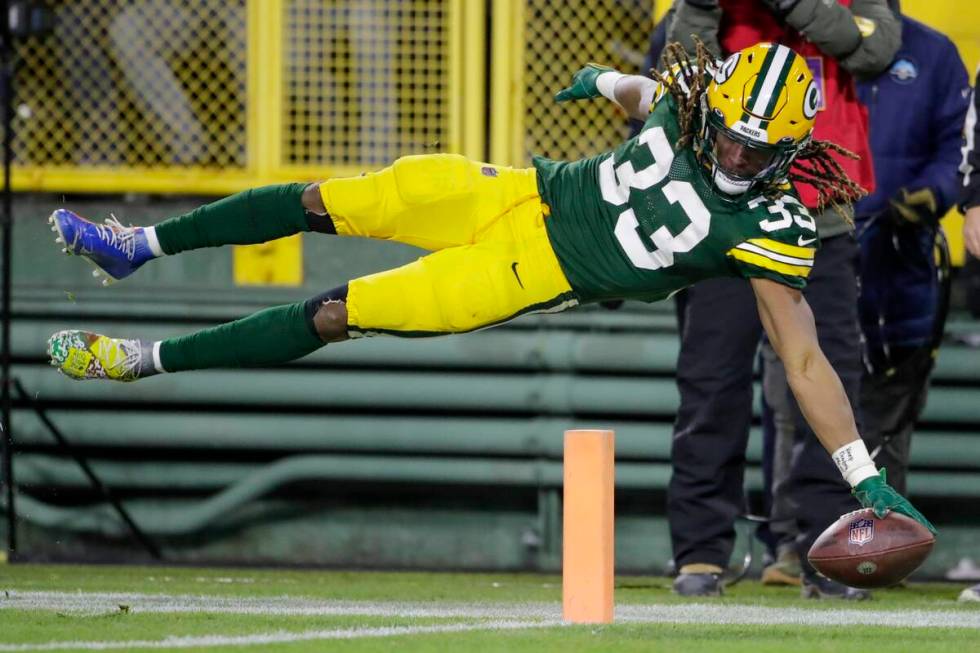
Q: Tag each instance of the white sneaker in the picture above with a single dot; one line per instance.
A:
(970, 594)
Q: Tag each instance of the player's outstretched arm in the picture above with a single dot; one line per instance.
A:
(789, 323)
(633, 93)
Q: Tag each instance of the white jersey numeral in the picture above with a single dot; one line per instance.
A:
(780, 207)
(616, 182)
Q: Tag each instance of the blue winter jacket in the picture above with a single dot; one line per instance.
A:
(916, 113)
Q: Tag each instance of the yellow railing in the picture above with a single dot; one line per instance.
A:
(212, 96)
(537, 47)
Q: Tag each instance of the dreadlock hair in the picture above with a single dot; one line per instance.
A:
(686, 81)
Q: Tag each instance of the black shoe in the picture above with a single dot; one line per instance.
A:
(816, 586)
(698, 585)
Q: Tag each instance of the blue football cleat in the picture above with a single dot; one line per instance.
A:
(116, 250)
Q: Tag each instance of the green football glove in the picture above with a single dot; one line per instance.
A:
(875, 493)
(583, 84)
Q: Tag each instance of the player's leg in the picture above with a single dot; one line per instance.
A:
(269, 337)
(431, 201)
(714, 378)
(452, 291)
(253, 216)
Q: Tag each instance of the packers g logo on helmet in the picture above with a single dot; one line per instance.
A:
(763, 98)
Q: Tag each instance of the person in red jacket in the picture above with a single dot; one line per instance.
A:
(840, 40)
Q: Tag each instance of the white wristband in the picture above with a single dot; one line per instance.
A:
(854, 462)
(606, 84)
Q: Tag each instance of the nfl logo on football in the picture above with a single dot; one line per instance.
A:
(861, 532)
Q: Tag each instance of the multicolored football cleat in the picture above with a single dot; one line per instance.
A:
(84, 355)
(115, 249)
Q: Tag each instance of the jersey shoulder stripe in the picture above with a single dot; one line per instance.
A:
(767, 259)
(767, 263)
(783, 248)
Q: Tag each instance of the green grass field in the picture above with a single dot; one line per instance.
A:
(69, 608)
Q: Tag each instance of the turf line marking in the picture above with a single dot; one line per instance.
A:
(684, 613)
(101, 602)
(280, 637)
(700, 613)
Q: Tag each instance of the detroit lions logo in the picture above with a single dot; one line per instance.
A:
(904, 71)
(861, 531)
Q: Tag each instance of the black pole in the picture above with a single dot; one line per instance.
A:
(7, 228)
(103, 491)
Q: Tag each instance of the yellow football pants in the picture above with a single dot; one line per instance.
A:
(491, 259)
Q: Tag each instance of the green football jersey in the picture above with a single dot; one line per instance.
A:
(643, 221)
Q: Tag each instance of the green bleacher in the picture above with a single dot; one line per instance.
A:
(455, 443)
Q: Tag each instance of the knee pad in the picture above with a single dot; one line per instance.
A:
(428, 178)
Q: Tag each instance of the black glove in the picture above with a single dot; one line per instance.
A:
(917, 208)
(780, 7)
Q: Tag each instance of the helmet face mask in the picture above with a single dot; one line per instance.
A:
(757, 114)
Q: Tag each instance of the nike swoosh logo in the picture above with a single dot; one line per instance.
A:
(803, 242)
(513, 268)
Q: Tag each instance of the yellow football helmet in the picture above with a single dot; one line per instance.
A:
(757, 115)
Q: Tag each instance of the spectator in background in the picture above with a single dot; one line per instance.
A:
(916, 110)
(714, 371)
(970, 205)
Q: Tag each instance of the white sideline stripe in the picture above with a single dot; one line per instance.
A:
(279, 637)
(102, 602)
(99, 602)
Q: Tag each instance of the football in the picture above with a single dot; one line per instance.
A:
(862, 550)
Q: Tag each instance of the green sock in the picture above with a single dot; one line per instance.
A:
(252, 216)
(274, 335)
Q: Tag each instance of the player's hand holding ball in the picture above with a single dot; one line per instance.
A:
(874, 492)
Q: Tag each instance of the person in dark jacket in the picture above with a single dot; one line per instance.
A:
(970, 200)
(916, 112)
(840, 39)
(970, 205)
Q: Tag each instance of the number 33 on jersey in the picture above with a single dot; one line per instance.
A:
(643, 222)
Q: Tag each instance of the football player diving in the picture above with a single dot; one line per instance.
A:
(704, 190)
